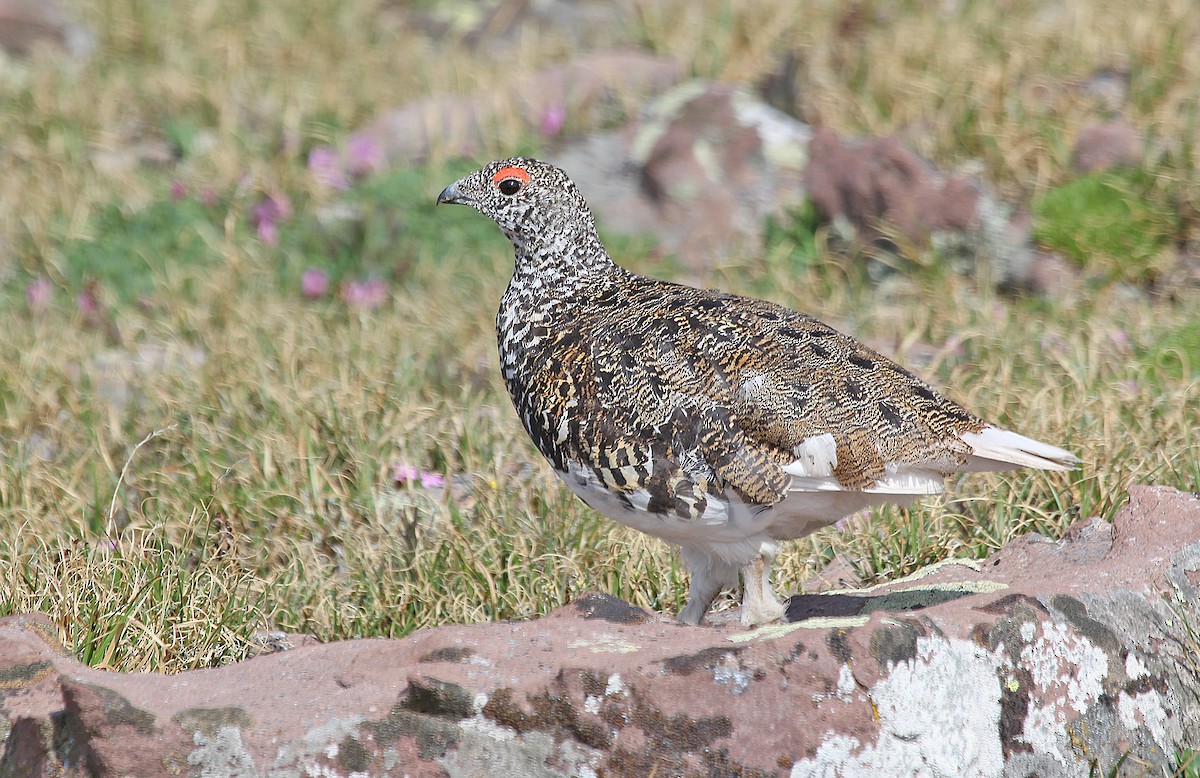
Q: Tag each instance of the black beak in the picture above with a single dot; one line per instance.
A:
(450, 195)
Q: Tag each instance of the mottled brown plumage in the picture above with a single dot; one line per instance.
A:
(722, 423)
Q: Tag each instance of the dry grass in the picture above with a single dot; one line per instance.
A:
(267, 502)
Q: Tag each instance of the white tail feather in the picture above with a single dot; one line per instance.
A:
(899, 480)
(997, 449)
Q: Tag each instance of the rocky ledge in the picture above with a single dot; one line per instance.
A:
(1074, 657)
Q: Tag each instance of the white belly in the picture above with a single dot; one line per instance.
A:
(731, 528)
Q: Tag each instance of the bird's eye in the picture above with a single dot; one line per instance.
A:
(510, 178)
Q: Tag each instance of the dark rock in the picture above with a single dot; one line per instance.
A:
(1046, 659)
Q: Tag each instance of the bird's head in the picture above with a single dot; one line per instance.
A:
(534, 203)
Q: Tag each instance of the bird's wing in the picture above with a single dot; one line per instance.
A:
(807, 400)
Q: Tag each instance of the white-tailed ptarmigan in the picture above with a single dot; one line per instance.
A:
(719, 423)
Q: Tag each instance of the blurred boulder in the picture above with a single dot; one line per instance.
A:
(1104, 145)
(27, 24)
(701, 168)
(879, 188)
(591, 89)
(879, 193)
(496, 25)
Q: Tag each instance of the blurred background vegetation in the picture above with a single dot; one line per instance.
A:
(237, 401)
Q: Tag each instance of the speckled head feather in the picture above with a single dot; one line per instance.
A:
(532, 202)
(721, 423)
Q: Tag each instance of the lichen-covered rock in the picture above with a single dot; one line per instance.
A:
(878, 192)
(702, 169)
(1051, 658)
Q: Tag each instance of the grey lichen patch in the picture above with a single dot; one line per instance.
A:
(223, 753)
(547, 712)
(1076, 613)
(798, 649)
(438, 698)
(119, 711)
(838, 641)
(894, 643)
(1016, 605)
(353, 755)
(723, 663)
(533, 755)
(434, 736)
(451, 654)
(210, 720)
(595, 605)
(1015, 688)
(1019, 615)
(940, 708)
(593, 682)
(672, 741)
(24, 676)
(709, 658)
(915, 598)
(313, 752)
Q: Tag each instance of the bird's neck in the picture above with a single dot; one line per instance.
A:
(554, 276)
(556, 266)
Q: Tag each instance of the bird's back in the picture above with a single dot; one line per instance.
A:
(688, 394)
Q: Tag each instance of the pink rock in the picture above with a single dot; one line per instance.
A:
(702, 170)
(26, 24)
(1106, 145)
(1013, 665)
(878, 184)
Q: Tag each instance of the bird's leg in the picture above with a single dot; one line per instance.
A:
(759, 604)
(709, 576)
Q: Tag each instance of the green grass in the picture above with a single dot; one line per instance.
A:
(1109, 224)
(1189, 764)
(265, 501)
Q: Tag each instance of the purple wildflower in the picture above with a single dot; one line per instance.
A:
(402, 473)
(314, 283)
(364, 155)
(38, 293)
(267, 214)
(88, 302)
(365, 295)
(178, 190)
(268, 232)
(326, 167)
(554, 117)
